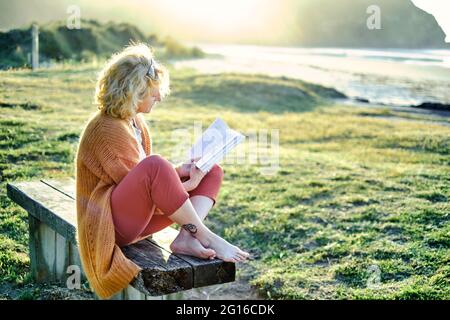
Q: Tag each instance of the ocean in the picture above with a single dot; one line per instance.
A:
(392, 77)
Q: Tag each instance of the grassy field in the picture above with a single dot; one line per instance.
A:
(360, 195)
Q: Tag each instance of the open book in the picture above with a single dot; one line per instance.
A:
(214, 144)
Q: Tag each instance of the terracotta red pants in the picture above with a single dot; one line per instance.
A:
(143, 201)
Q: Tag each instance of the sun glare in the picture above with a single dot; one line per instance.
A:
(217, 17)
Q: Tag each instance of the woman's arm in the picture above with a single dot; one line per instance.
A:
(195, 176)
(183, 169)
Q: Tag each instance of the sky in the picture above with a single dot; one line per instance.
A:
(253, 21)
(223, 18)
(228, 16)
(441, 11)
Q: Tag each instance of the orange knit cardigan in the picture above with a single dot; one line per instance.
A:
(107, 151)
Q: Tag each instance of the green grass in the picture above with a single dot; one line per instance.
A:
(354, 191)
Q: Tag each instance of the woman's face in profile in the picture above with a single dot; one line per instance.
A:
(149, 101)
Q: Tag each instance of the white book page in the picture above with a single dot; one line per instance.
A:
(214, 144)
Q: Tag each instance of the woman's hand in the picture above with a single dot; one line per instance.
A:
(195, 176)
(184, 169)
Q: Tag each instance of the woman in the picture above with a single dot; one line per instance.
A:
(124, 193)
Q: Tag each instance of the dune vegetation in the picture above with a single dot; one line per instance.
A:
(95, 40)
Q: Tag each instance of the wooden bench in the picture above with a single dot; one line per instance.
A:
(52, 226)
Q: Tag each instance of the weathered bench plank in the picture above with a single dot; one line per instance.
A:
(52, 222)
(47, 205)
(52, 241)
(208, 271)
(162, 273)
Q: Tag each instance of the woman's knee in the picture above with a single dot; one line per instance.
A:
(154, 159)
(217, 172)
(156, 162)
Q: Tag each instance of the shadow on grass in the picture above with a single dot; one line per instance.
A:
(252, 93)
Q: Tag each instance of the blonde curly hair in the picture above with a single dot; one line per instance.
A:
(124, 82)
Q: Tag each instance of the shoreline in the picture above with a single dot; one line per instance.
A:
(426, 108)
(395, 78)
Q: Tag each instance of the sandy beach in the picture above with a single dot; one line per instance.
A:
(389, 77)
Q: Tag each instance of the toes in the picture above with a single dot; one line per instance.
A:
(202, 252)
(230, 259)
(237, 257)
(209, 253)
(243, 252)
(241, 257)
(173, 247)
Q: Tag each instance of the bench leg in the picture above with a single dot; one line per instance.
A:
(203, 293)
(51, 254)
(74, 259)
(42, 251)
(62, 256)
(131, 293)
(182, 295)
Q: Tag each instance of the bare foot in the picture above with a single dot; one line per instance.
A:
(186, 244)
(224, 250)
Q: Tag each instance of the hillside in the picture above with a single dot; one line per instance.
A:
(328, 23)
(57, 42)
